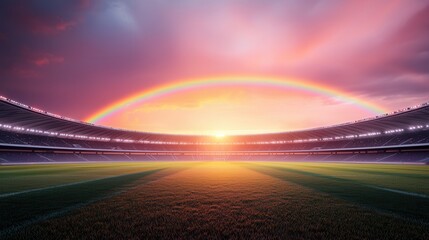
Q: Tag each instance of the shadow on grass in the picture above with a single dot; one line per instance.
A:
(400, 205)
(375, 172)
(23, 210)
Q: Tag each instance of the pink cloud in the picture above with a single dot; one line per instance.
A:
(47, 59)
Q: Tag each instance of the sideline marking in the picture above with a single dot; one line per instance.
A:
(399, 191)
(5, 195)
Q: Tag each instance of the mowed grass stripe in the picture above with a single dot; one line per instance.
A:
(399, 204)
(18, 209)
(224, 201)
(21, 178)
(399, 191)
(5, 195)
(366, 175)
(424, 176)
(10, 231)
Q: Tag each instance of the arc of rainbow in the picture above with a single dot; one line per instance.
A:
(192, 84)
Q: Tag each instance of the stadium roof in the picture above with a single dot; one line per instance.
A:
(15, 114)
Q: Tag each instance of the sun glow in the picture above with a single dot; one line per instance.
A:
(237, 105)
(219, 135)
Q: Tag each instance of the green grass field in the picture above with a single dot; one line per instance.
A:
(252, 200)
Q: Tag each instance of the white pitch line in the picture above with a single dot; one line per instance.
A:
(6, 232)
(399, 191)
(5, 195)
(12, 229)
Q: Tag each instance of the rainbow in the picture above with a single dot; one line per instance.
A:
(194, 84)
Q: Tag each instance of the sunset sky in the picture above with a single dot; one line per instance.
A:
(76, 58)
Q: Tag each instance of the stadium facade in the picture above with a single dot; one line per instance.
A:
(29, 134)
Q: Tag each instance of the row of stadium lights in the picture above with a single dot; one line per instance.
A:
(308, 140)
(37, 109)
(104, 139)
(384, 115)
(66, 135)
(82, 137)
(417, 127)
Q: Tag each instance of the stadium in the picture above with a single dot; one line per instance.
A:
(31, 135)
(298, 120)
(64, 178)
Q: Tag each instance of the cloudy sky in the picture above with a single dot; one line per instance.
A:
(76, 57)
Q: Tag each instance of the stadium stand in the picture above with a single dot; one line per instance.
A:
(29, 134)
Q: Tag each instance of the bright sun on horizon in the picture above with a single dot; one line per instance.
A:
(219, 135)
